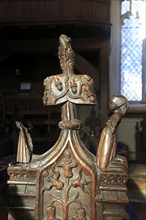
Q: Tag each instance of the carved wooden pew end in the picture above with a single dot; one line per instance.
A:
(68, 182)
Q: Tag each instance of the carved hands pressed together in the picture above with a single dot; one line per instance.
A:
(106, 157)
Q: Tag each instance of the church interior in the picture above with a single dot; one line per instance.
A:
(29, 33)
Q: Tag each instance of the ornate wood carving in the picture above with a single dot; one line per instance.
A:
(25, 146)
(68, 182)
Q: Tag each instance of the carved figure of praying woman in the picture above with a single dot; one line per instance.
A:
(25, 146)
(106, 157)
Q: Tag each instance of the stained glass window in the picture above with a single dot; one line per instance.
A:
(133, 33)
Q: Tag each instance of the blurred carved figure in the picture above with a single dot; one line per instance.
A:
(25, 146)
(51, 213)
(106, 157)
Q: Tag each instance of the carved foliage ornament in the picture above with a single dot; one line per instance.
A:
(68, 86)
(71, 190)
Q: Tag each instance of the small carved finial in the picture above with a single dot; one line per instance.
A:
(66, 54)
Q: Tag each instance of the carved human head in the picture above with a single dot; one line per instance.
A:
(119, 102)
